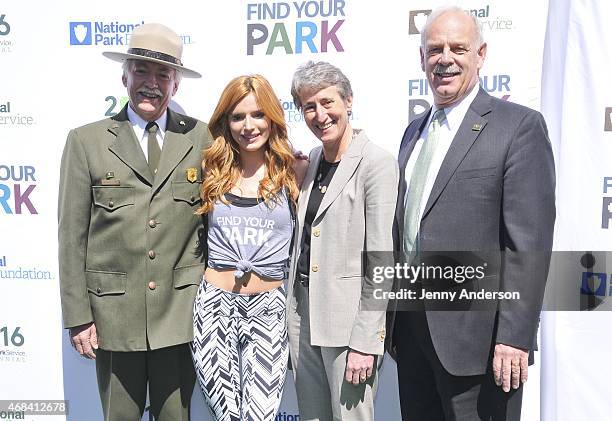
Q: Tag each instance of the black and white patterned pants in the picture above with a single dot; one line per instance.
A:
(240, 352)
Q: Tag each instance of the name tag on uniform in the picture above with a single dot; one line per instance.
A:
(112, 182)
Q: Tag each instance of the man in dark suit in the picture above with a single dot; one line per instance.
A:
(129, 270)
(477, 174)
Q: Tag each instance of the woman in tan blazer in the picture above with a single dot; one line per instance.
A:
(346, 207)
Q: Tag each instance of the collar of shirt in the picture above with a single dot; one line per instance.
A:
(138, 124)
(455, 113)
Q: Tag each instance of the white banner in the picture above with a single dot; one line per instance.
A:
(577, 104)
(54, 78)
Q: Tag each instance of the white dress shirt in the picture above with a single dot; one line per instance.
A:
(138, 125)
(448, 130)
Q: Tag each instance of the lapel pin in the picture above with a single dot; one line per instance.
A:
(182, 123)
(192, 174)
(110, 180)
(477, 127)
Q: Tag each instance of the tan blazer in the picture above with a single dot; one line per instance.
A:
(127, 239)
(355, 215)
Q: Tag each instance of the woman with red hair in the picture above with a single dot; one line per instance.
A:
(240, 348)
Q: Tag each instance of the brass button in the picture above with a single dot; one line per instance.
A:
(152, 285)
(98, 290)
(315, 268)
(316, 232)
(111, 204)
(152, 223)
(151, 254)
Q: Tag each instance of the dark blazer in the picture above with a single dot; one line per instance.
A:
(495, 191)
(122, 228)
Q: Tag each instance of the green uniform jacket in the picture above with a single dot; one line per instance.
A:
(128, 240)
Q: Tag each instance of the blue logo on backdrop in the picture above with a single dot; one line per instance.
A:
(80, 33)
(594, 285)
(101, 33)
(114, 33)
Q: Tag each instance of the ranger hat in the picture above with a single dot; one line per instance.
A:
(157, 43)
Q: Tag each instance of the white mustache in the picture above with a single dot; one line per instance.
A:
(150, 91)
(440, 69)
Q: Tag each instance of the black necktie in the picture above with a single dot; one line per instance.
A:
(154, 152)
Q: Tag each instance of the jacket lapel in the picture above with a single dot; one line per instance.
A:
(307, 185)
(176, 147)
(404, 154)
(127, 148)
(406, 150)
(348, 164)
(461, 144)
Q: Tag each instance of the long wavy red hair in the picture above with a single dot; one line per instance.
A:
(222, 159)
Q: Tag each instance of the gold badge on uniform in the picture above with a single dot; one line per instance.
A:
(192, 174)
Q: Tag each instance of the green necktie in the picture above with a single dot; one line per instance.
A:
(418, 179)
(154, 152)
